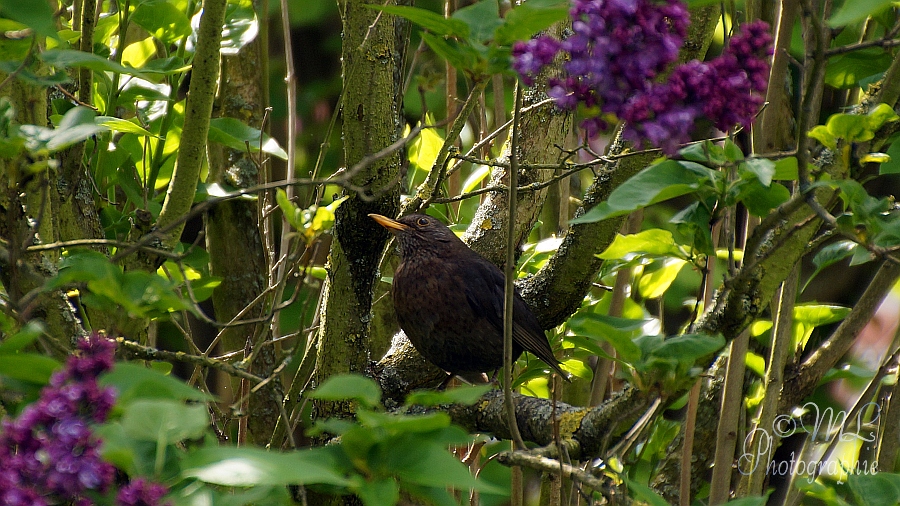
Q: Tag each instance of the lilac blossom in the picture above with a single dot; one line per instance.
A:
(619, 47)
(141, 492)
(49, 452)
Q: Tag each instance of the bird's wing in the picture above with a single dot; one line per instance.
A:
(484, 291)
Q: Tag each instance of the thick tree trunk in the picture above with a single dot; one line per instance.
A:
(372, 62)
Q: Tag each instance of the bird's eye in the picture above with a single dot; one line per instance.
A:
(422, 222)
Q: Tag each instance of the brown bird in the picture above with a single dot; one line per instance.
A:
(449, 301)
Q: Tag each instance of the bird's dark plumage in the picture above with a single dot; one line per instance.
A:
(449, 301)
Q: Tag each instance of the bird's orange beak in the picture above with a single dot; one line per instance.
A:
(393, 226)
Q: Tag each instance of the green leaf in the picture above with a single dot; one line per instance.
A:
(659, 182)
(164, 421)
(733, 152)
(618, 332)
(384, 492)
(830, 255)
(857, 10)
(825, 137)
(819, 314)
(241, 27)
(403, 423)
(138, 382)
(482, 19)
(704, 152)
(760, 500)
(428, 20)
(29, 367)
(28, 334)
(84, 266)
(122, 125)
(847, 70)
(761, 168)
(654, 284)
(35, 14)
(162, 20)
(75, 126)
(881, 489)
(760, 199)
(237, 135)
(684, 349)
(292, 213)
(652, 242)
(246, 467)
(434, 466)
(424, 150)
(70, 58)
(477, 176)
(850, 127)
(461, 57)
(786, 169)
(881, 114)
(645, 494)
(466, 395)
(875, 158)
(349, 386)
(529, 18)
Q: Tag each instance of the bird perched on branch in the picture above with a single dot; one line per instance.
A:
(449, 301)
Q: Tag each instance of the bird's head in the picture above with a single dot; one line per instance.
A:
(419, 234)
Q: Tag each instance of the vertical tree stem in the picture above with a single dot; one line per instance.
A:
(510, 271)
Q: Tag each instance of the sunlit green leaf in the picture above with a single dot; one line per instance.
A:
(824, 136)
(529, 18)
(656, 183)
(241, 27)
(428, 20)
(162, 20)
(786, 169)
(423, 151)
(654, 242)
(244, 467)
(237, 135)
(654, 284)
(847, 70)
(70, 58)
(121, 125)
(76, 125)
(875, 158)
(857, 10)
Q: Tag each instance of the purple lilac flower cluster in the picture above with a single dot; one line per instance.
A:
(617, 49)
(49, 453)
(727, 90)
(141, 492)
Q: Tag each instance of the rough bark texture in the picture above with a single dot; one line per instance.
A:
(26, 218)
(371, 68)
(232, 231)
(543, 131)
